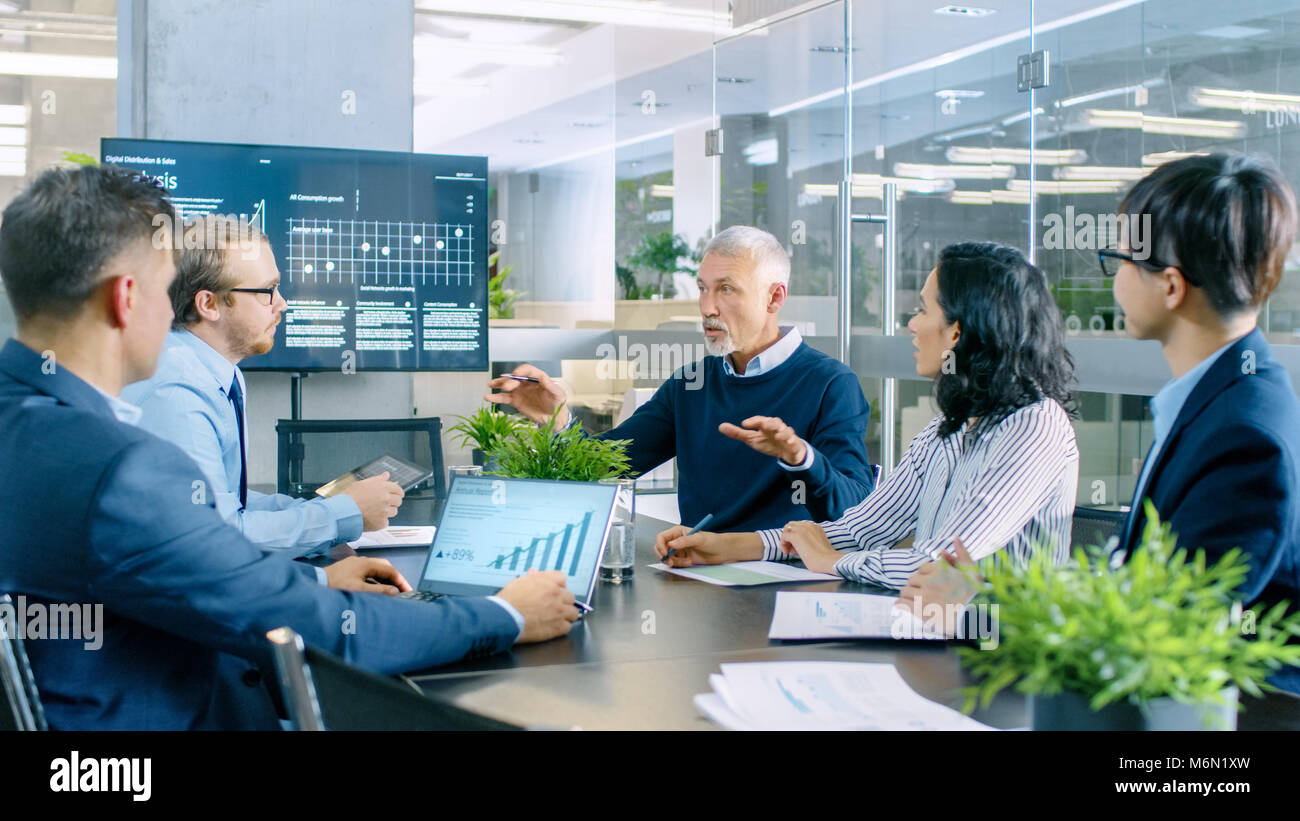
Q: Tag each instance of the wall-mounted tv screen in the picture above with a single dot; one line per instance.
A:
(382, 255)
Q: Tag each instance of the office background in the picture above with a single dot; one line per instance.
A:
(596, 133)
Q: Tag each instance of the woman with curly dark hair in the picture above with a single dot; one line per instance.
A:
(997, 468)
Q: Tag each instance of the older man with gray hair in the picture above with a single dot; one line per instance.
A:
(768, 430)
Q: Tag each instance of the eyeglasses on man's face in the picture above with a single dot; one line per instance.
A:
(264, 296)
(1111, 261)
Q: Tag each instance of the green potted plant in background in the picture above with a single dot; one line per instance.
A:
(541, 452)
(501, 300)
(660, 253)
(485, 428)
(1158, 643)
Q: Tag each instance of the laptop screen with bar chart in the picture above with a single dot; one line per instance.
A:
(495, 529)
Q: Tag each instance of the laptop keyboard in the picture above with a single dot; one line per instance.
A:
(421, 595)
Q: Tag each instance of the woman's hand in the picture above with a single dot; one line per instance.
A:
(808, 541)
(937, 591)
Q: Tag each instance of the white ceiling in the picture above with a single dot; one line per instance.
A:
(903, 52)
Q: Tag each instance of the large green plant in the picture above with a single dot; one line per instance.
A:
(541, 452)
(1163, 625)
(660, 253)
(485, 427)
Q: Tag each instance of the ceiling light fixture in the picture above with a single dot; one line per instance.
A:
(926, 171)
(1247, 102)
(1178, 126)
(617, 12)
(1016, 156)
(1099, 172)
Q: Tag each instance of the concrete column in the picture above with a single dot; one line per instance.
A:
(291, 72)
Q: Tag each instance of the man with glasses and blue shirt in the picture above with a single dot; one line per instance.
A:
(227, 305)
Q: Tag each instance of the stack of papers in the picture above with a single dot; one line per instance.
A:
(822, 695)
(419, 536)
(844, 616)
(744, 574)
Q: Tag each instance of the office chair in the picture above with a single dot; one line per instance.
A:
(300, 469)
(322, 692)
(21, 709)
(1094, 526)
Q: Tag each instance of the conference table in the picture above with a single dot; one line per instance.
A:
(637, 661)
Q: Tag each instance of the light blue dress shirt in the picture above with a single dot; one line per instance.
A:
(1165, 407)
(186, 403)
(767, 361)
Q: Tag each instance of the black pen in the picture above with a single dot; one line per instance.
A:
(524, 378)
(584, 608)
(703, 523)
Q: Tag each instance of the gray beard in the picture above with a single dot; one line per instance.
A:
(722, 347)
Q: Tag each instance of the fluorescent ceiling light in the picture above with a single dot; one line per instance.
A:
(965, 11)
(663, 191)
(762, 152)
(904, 184)
(1017, 37)
(1247, 102)
(974, 131)
(1024, 115)
(1170, 156)
(1110, 92)
(1149, 124)
(1233, 32)
(1073, 187)
(862, 192)
(57, 65)
(504, 54)
(13, 115)
(989, 197)
(1016, 156)
(1099, 172)
(954, 172)
(450, 88)
(618, 12)
(959, 93)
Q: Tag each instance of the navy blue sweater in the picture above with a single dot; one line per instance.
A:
(746, 490)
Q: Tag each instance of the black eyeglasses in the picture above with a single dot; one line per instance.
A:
(1111, 260)
(268, 292)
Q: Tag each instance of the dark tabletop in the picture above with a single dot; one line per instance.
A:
(638, 660)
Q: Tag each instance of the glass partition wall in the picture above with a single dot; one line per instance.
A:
(867, 136)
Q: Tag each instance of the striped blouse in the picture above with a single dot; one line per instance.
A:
(1010, 485)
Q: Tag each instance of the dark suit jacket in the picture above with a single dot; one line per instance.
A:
(97, 511)
(1228, 474)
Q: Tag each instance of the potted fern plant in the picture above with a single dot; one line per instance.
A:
(541, 452)
(485, 428)
(1158, 643)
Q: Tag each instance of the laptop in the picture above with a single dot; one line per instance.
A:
(494, 529)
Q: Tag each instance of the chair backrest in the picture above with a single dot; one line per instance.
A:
(323, 692)
(1094, 526)
(21, 709)
(311, 452)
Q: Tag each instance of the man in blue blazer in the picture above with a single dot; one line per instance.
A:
(101, 513)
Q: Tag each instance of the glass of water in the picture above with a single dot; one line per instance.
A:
(462, 470)
(619, 558)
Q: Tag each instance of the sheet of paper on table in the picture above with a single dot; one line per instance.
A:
(823, 695)
(396, 536)
(744, 574)
(844, 616)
